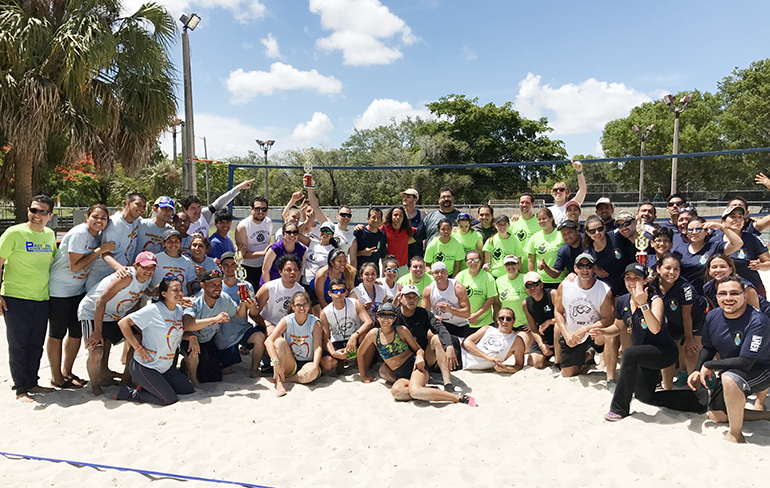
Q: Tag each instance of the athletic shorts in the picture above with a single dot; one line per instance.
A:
(231, 355)
(110, 331)
(337, 346)
(63, 317)
(576, 356)
(298, 364)
(677, 333)
(405, 370)
(209, 366)
(756, 380)
(459, 330)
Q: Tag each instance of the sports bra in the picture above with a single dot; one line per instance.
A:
(392, 349)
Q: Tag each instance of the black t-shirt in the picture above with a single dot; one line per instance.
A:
(540, 311)
(365, 239)
(616, 255)
(710, 292)
(419, 323)
(640, 334)
(486, 233)
(681, 293)
(565, 258)
(747, 336)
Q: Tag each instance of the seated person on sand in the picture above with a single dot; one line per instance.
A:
(489, 347)
(448, 301)
(539, 310)
(273, 297)
(152, 365)
(405, 358)
(740, 334)
(581, 305)
(210, 309)
(295, 346)
(344, 322)
(238, 331)
(101, 309)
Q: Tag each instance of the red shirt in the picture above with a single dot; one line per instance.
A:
(398, 243)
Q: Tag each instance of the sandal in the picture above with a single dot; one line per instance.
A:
(77, 381)
(67, 385)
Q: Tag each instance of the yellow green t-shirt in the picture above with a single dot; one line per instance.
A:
(479, 289)
(28, 256)
(511, 294)
(447, 253)
(499, 248)
(407, 279)
(468, 241)
(546, 246)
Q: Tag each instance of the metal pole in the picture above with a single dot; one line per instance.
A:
(641, 173)
(674, 160)
(206, 157)
(266, 183)
(188, 166)
(175, 156)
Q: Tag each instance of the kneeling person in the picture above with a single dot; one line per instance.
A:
(344, 321)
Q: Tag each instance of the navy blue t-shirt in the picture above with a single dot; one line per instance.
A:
(747, 336)
(710, 292)
(565, 258)
(680, 294)
(640, 334)
(616, 255)
(751, 249)
(366, 239)
(694, 265)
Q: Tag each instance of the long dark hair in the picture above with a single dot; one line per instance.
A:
(587, 239)
(405, 224)
(164, 285)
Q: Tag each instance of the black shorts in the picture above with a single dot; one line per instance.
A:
(63, 317)
(677, 333)
(209, 366)
(459, 330)
(756, 380)
(457, 344)
(535, 348)
(405, 370)
(231, 355)
(311, 293)
(551, 286)
(576, 356)
(253, 275)
(110, 331)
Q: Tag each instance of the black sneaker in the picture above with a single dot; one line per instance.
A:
(468, 400)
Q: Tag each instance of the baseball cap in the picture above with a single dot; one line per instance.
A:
(603, 200)
(327, 225)
(625, 216)
(171, 232)
(145, 258)
(730, 209)
(226, 255)
(164, 201)
(572, 203)
(411, 191)
(532, 277)
(636, 268)
(386, 307)
(587, 256)
(511, 258)
(212, 274)
(438, 266)
(410, 289)
(568, 223)
(502, 218)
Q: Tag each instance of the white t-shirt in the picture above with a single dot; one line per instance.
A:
(300, 337)
(559, 213)
(62, 282)
(380, 296)
(123, 301)
(150, 236)
(342, 323)
(124, 235)
(257, 238)
(344, 237)
(494, 343)
(582, 307)
(181, 268)
(162, 331)
(277, 305)
(315, 259)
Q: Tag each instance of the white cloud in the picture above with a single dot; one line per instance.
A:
(247, 46)
(598, 150)
(381, 110)
(246, 85)
(243, 10)
(468, 55)
(577, 108)
(314, 131)
(360, 29)
(271, 47)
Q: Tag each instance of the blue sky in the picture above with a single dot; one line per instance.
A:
(305, 73)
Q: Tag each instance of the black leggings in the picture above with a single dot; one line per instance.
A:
(158, 388)
(639, 376)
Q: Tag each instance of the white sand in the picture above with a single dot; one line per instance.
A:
(531, 429)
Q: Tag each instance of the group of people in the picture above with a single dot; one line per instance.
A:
(672, 302)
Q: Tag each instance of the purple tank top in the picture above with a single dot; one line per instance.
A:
(279, 250)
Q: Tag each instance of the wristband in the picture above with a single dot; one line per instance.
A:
(138, 348)
(578, 172)
(274, 361)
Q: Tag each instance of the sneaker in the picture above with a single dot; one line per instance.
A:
(612, 416)
(681, 379)
(468, 400)
(124, 393)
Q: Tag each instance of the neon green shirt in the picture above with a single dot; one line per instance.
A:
(499, 248)
(546, 246)
(523, 230)
(408, 280)
(479, 289)
(468, 242)
(28, 256)
(511, 294)
(447, 253)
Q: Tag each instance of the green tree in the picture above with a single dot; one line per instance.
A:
(76, 71)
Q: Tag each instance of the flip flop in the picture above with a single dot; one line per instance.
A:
(280, 391)
(77, 381)
(67, 385)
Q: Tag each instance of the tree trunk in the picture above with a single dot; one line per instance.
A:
(22, 185)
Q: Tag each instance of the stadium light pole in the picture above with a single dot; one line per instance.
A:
(188, 148)
(643, 139)
(177, 121)
(265, 146)
(676, 110)
(206, 157)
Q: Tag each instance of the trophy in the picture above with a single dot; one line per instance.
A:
(240, 274)
(641, 243)
(307, 179)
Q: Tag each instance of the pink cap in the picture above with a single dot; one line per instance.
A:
(146, 258)
(572, 203)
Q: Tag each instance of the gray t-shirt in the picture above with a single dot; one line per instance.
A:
(124, 235)
(62, 282)
(200, 310)
(123, 301)
(162, 331)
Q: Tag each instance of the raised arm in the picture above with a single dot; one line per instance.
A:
(580, 196)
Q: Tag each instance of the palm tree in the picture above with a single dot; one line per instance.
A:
(79, 72)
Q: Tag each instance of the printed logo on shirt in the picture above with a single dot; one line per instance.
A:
(504, 294)
(497, 253)
(741, 254)
(300, 345)
(521, 234)
(738, 338)
(703, 260)
(174, 273)
(541, 248)
(440, 257)
(643, 324)
(174, 335)
(547, 308)
(260, 236)
(618, 254)
(673, 305)
(688, 293)
(32, 247)
(756, 341)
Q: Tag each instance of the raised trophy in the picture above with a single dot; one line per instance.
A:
(240, 274)
(641, 243)
(307, 179)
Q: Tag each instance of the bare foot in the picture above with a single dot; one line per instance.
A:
(228, 370)
(254, 374)
(25, 398)
(41, 389)
(96, 388)
(108, 381)
(731, 438)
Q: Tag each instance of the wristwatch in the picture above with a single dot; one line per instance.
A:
(645, 307)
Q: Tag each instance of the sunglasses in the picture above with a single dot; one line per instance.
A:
(301, 305)
(594, 231)
(584, 266)
(558, 190)
(327, 231)
(39, 211)
(695, 230)
(529, 286)
(472, 260)
(346, 215)
(675, 204)
(504, 319)
(291, 232)
(391, 270)
(260, 209)
(386, 315)
(624, 224)
(337, 291)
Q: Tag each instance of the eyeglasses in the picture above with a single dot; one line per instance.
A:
(584, 266)
(472, 260)
(725, 294)
(675, 204)
(624, 224)
(301, 305)
(42, 212)
(594, 231)
(337, 291)
(291, 232)
(529, 286)
(695, 230)
(390, 316)
(346, 215)
(259, 209)
(505, 319)
(391, 270)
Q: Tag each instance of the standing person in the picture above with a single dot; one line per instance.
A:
(527, 226)
(702, 246)
(582, 305)
(539, 310)
(543, 247)
(417, 275)
(152, 365)
(560, 193)
(220, 240)
(674, 204)
(445, 249)
(316, 257)
(252, 236)
(398, 232)
(238, 330)
(752, 257)
(469, 238)
(122, 230)
(343, 234)
(481, 289)
(405, 358)
(612, 253)
(150, 231)
(273, 297)
(409, 198)
(181, 223)
(67, 287)
(448, 301)
(573, 211)
(625, 223)
(369, 292)
(489, 347)
(604, 210)
(371, 243)
(171, 263)
(200, 218)
(101, 309)
(486, 225)
(500, 245)
(641, 314)
(446, 211)
(344, 321)
(648, 213)
(295, 345)
(511, 292)
(565, 256)
(288, 245)
(741, 336)
(199, 248)
(26, 251)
